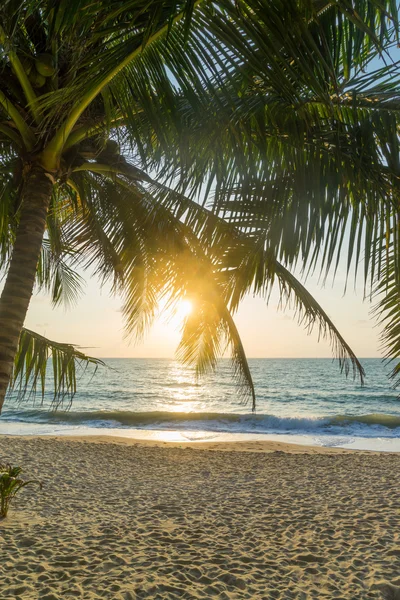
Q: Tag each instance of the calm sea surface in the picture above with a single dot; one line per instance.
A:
(306, 399)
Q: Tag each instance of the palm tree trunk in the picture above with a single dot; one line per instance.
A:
(18, 288)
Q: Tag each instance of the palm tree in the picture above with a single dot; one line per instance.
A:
(85, 84)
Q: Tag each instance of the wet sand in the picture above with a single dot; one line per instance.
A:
(124, 520)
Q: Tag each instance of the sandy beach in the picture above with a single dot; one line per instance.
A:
(123, 520)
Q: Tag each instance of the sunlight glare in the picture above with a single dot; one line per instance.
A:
(177, 315)
(184, 309)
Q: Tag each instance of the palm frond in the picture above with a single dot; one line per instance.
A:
(209, 330)
(57, 277)
(252, 268)
(386, 310)
(310, 314)
(39, 359)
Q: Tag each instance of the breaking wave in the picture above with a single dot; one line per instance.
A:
(367, 425)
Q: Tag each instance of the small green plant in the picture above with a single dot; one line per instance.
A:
(10, 485)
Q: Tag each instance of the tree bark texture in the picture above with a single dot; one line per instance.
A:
(20, 280)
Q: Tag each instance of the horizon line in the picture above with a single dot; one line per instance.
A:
(248, 358)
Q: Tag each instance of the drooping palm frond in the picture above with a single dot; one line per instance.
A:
(249, 265)
(252, 268)
(152, 244)
(207, 333)
(38, 359)
(386, 310)
(311, 314)
(56, 276)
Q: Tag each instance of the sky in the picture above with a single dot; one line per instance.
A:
(96, 323)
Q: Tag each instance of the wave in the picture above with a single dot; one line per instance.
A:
(389, 421)
(375, 424)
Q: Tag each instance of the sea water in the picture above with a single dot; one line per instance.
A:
(301, 400)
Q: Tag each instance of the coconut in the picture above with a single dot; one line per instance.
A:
(36, 79)
(44, 64)
(112, 147)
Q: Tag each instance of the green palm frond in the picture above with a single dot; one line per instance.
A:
(250, 265)
(39, 358)
(206, 334)
(252, 268)
(56, 276)
(210, 329)
(386, 310)
(311, 314)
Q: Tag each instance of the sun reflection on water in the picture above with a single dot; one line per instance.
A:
(183, 390)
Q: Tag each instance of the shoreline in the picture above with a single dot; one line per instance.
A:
(194, 437)
(254, 446)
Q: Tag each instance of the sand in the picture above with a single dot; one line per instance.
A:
(125, 521)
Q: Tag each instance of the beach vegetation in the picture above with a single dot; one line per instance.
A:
(188, 150)
(11, 484)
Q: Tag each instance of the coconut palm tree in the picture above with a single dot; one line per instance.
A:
(86, 84)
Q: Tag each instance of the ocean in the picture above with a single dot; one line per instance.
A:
(301, 400)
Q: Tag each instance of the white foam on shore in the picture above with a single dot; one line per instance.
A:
(185, 436)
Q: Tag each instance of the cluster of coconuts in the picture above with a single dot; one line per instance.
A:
(111, 147)
(107, 149)
(40, 69)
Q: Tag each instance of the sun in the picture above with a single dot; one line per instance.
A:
(184, 309)
(179, 313)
